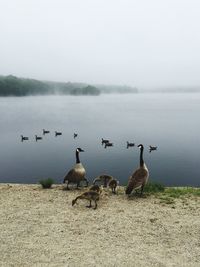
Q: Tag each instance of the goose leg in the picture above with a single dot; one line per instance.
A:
(142, 188)
(90, 204)
(85, 179)
(67, 188)
(137, 192)
(95, 205)
(77, 187)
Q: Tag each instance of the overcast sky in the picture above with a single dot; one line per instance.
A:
(144, 43)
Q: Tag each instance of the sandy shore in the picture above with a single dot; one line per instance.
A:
(41, 228)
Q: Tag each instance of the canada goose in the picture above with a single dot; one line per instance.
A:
(108, 144)
(88, 195)
(104, 179)
(113, 185)
(77, 174)
(38, 138)
(75, 135)
(104, 141)
(24, 138)
(45, 131)
(129, 144)
(57, 133)
(140, 177)
(152, 148)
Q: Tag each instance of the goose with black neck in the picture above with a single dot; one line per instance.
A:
(139, 177)
(77, 173)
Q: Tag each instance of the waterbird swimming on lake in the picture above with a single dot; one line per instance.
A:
(140, 177)
(37, 138)
(24, 138)
(130, 144)
(45, 131)
(88, 195)
(104, 141)
(152, 148)
(75, 135)
(77, 173)
(57, 133)
(108, 144)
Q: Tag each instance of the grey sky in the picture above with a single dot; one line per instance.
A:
(146, 43)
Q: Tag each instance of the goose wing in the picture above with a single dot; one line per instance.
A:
(74, 175)
(137, 179)
(69, 175)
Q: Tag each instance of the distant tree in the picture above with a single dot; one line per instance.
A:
(88, 90)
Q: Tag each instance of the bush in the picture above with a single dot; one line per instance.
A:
(46, 183)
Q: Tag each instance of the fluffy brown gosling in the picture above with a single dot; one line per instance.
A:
(103, 179)
(113, 185)
(96, 188)
(89, 195)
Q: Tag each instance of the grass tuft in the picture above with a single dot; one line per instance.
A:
(154, 187)
(46, 183)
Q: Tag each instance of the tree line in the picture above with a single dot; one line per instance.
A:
(13, 86)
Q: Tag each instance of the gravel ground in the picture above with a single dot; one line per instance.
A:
(41, 228)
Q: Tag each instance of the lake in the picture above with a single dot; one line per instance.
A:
(169, 121)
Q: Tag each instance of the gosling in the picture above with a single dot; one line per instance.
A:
(95, 188)
(104, 178)
(113, 185)
(88, 195)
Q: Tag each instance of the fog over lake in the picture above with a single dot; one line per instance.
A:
(169, 121)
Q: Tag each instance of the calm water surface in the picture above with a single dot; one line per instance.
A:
(169, 121)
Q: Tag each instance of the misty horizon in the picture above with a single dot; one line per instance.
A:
(146, 44)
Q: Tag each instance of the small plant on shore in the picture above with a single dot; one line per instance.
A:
(154, 187)
(46, 183)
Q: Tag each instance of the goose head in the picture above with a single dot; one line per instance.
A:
(141, 146)
(73, 202)
(79, 150)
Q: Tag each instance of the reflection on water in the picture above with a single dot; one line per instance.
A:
(169, 121)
